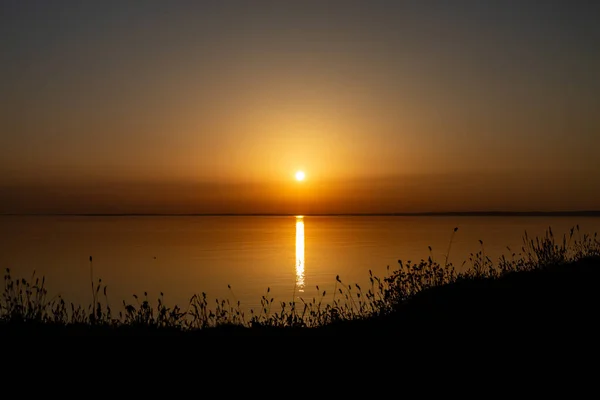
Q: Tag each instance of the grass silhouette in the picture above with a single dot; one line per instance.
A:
(548, 280)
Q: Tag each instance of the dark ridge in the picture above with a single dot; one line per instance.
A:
(590, 213)
(555, 300)
(548, 300)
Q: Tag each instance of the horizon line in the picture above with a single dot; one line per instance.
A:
(585, 213)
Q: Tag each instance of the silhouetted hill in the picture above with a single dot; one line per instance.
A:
(545, 301)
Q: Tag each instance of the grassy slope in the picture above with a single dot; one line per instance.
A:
(556, 297)
(563, 297)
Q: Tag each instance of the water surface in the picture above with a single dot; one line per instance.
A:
(181, 256)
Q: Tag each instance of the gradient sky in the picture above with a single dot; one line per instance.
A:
(389, 106)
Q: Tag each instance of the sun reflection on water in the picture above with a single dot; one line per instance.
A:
(300, 254)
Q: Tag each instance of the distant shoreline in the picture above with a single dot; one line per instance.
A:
(422, 214)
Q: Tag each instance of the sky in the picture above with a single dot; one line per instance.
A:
(212, 106)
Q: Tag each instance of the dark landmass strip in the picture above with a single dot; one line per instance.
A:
(590, 213)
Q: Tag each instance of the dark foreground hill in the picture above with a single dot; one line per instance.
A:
(550, 300)
(556, 298)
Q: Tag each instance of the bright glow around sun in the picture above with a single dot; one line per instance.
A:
(300, 175)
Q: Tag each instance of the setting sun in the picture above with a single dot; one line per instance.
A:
(300, 175)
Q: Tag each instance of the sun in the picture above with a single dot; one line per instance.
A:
(300, 175)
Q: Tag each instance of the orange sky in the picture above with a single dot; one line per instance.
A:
(388, 107)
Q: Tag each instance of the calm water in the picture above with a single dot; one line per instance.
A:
(181, 256)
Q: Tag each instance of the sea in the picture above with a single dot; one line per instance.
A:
(248, 258)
